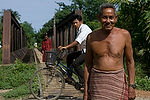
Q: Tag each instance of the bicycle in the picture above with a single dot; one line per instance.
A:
(47, 83)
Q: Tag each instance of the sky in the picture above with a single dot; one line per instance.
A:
(35, 12)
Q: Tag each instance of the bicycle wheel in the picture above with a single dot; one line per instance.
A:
(47, 84)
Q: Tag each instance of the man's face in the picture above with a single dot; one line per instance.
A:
(107, 19)
(46, 37)
(77, 23)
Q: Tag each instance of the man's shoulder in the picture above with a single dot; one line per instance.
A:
(94, 33)
(121, 30)
(85, 26)
(125, 33)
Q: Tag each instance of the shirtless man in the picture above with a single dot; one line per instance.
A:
(104, 75)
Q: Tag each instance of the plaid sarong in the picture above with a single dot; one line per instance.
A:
(108, 85)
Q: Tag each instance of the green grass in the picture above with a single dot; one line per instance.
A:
(16, 77)
(142, 81)
(1, 56)
(18, 92)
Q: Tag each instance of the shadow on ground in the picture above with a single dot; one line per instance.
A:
(60, 98)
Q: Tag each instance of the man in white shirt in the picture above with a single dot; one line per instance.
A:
(82, 31)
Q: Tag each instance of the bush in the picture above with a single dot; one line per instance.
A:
(142, 83)
(1, 56)
(17, 92)
(16, 77)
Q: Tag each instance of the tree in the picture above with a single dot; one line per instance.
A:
(15, 13)
(60, 14)
(29, 31)
(135, 17)
(39, 36)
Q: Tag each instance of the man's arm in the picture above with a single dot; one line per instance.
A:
(130, 64)
(87, 67)
(69, 46)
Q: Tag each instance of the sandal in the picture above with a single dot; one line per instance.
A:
(81, 87)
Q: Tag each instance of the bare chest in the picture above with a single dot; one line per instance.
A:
(111, 46)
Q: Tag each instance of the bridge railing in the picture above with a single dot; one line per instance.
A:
(64, 33)
(14, 39)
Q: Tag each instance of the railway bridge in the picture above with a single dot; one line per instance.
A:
(15, 47)
(15, 39)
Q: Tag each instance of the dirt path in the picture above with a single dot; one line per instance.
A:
(70, 93)
(142, 95)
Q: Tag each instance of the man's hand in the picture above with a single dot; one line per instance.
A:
(62, 48)
(131, 94)
(42, 51)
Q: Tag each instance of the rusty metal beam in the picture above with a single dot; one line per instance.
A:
(54, 37)
(64, 33)
(6, 37)
(13, 40)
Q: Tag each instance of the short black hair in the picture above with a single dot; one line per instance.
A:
(75, 16)
(106, 5)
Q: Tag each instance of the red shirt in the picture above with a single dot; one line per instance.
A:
(46, 45)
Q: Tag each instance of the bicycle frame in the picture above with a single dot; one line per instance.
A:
(59, 64)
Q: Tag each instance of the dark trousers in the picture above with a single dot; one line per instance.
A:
(75, 60)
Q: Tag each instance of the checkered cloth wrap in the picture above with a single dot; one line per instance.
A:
(108, 85)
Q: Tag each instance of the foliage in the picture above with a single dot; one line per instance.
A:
(63, 11)
(89, 8)
(139, 69)
(94, 25)
(15, 13)
(142, 83)
(139, 27)
(39, 36)
(0, 56)
(16, 77)
(18, 92)
(15, 74)
(141, 79)
(29, 31)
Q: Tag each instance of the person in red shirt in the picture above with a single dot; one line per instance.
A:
(46, 46)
